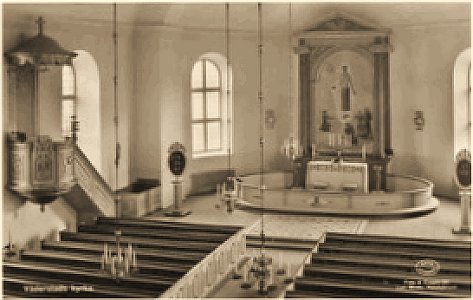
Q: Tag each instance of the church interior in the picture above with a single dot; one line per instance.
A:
(236, 150)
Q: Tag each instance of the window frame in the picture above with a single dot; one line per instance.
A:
(205, 120)
(67, 130)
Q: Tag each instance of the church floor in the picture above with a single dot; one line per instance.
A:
(437, 224)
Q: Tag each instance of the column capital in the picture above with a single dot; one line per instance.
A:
(302, 50)
(381, 45)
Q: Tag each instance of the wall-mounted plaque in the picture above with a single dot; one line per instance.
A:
(177, 158)
(463, 169)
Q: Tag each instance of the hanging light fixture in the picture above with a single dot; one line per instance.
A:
(228, 193)
(115, 108)
(291, 147)
(259, 270)
(40, 170)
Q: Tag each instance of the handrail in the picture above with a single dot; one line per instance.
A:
(89, 179)
(429, 186)
(92, 167)
(209, 272)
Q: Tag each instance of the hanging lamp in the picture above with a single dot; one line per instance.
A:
(40, 169)
(115, 109)
(291, 147)
(259, 271)
(230, 188)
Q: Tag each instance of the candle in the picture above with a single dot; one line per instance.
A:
(105, 252)
(245, 273)
(134, 259)
(127, 265)
(102, 262)
(112, 270)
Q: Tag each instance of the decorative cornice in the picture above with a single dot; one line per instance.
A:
(339, 23)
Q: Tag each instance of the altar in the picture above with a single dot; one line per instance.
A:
(337, 176)
(344, 107)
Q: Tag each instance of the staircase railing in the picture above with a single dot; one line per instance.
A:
(92, 183)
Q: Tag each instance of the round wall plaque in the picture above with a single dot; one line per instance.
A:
(463, 169)
(177, 159)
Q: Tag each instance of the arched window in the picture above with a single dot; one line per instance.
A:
(68, 99)
(81, 93)
(210, 110)
(462, 101)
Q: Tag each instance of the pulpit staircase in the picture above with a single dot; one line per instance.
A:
(92, 195)
(353, 265)
(166, 251)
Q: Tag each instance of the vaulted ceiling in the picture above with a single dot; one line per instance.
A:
(243, 15)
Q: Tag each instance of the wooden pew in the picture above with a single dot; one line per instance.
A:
(169, 234)
(141, 242)
(149, 254)
(359, 265)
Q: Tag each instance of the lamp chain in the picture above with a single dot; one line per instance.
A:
(115, 88)
(228, 92)
(261, 125)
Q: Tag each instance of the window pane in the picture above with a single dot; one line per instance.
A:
(213, 135)
(67, 81)
(67, 111)
(197, 105)
(197, 80)
(211, 75)
(213, 105)
(198, 144)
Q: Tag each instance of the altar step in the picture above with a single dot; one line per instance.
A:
(165, 252)
(352, 265)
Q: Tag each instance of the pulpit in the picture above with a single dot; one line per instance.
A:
(40, 169)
